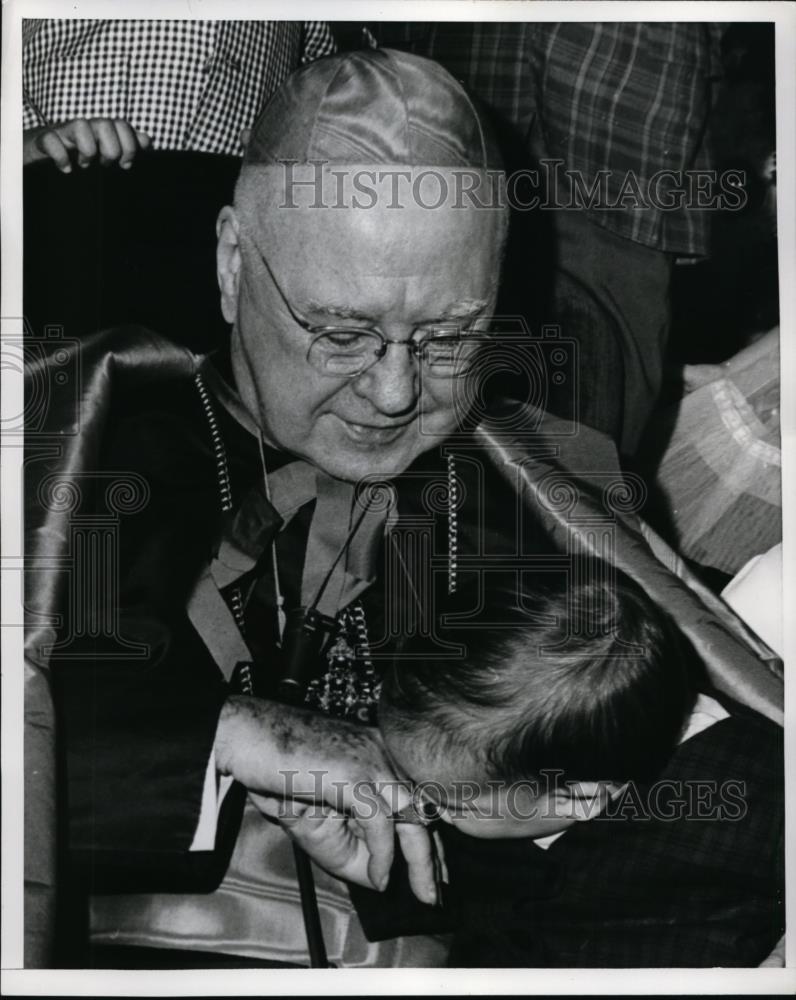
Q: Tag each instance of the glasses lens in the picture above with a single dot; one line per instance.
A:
(344, 352)
(450, 357)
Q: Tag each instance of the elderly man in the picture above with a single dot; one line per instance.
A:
(349, 337)
(244, 556)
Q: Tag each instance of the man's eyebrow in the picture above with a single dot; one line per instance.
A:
(462, 310)
(341, 312)
(459, 310)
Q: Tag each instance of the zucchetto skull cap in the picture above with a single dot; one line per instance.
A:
(374, 106)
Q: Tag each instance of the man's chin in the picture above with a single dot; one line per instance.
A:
(353, 468)
(354, 463)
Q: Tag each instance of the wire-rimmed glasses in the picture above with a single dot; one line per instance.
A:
(347, 353)
(445, 351)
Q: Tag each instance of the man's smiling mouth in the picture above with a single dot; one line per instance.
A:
(374, 433)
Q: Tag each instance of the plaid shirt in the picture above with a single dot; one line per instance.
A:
(622, 97)
(189, 84)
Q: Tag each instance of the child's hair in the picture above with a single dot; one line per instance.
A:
(608, 704)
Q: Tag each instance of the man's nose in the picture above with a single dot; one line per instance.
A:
(392, 384)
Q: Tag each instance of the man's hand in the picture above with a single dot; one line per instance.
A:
(333, 840)
(110, 139)
(291, 753)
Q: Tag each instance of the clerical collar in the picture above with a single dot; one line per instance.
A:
(291, 483)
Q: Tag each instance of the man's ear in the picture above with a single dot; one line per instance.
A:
(228, 262)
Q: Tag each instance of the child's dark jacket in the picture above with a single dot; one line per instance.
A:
(704, 888)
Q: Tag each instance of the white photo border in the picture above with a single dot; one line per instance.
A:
(29, 982)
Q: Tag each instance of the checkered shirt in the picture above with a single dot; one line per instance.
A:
(191, 85)
(605, 96)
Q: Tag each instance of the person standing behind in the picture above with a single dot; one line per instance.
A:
(611, 104)
(102, 92)
(109, 87)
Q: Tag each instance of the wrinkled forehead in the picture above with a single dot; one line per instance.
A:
(305, 207)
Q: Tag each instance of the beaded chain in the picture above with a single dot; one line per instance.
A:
(350, 685)
(243, 673)
(219, 451)
(453, 525)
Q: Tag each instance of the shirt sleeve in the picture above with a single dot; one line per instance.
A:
(29, 117)
(317, 41)
(215, 788)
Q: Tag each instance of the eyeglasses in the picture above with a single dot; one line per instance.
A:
(446, 351)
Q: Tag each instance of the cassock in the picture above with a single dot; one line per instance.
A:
(153, 536)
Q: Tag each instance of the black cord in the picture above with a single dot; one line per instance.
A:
(293, 692)
(339, 556)
(310, 911)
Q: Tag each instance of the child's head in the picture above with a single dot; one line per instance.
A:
(563, 694)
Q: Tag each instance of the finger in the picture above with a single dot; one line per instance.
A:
(416, 845)
(82, 135)
(127, 142)
(245, 135)
(333, 844)
(377, 828)
(357, 830)
(329, 839)
(418, 850)
(51, 144)
(143, 139)
(110, 148)
(357, 869)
